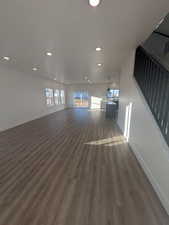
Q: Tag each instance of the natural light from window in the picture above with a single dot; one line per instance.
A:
(49, 96)
(128, 121)
(56, 96)
(62, 97)
(108, 142)
(81, 99)
(95, 102)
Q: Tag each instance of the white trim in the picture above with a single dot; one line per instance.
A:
(151, 178)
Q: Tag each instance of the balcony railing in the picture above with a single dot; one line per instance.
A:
(153, 80)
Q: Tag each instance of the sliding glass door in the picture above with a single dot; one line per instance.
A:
(81, 99)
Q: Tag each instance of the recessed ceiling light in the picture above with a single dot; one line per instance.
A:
(98, 49)
(94, 3)
(34, 68)
(55, 79)
(89, 81)
(99, 64)
(7, 58)
(49, 53)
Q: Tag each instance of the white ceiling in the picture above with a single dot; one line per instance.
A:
(71, 30)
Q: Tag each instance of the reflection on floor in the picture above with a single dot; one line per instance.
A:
(73, 168)
(108, 141)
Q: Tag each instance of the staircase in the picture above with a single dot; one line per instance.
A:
(153, 80)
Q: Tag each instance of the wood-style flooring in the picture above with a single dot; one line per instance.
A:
(73, 168)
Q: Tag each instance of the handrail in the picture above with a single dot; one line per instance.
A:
(153, 80)
(160, 33)
(153, 58)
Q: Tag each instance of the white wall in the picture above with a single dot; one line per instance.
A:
(95, 90)
(145, 137)
(22, 97)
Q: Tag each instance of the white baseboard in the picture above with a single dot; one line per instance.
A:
(151, 178)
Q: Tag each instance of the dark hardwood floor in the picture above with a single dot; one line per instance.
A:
(73, 168)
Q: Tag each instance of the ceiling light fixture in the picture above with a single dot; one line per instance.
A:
(55, 79)
(99, 64)
(49, 53)
(7, 58)
(98, 49)
(94, 3)
(34, 68)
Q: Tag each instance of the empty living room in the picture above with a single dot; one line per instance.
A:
(84, 112)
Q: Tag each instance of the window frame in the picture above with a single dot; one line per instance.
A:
(57, 97)
(49, 95)
(62, 97)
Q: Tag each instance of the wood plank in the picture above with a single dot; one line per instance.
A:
(73, 168)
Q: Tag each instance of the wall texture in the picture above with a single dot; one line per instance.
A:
(145, 137)
(22, 98)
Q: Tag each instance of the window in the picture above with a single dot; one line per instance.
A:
(81, 99)
(56, 97)
(113, 93)
(96, 102)
(49, 97)
(62, 97)
(116, 93)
